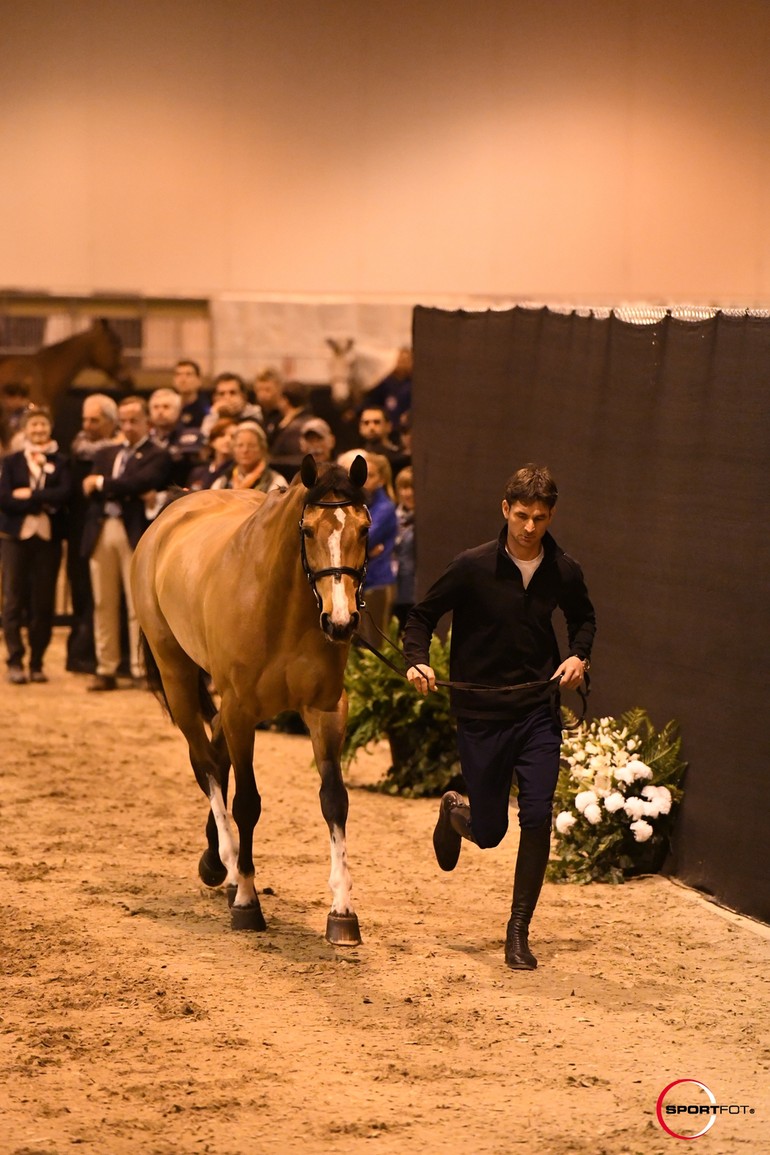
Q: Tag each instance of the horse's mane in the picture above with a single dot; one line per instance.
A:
(335, 479)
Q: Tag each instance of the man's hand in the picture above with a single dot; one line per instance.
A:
(91, 484)
(422, 678)
(571, 671)
(22, 494)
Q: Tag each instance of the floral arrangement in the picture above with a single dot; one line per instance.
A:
(616, 798)
(419, 727)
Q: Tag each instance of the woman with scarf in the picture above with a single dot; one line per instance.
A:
(34, 489)
(250, 469)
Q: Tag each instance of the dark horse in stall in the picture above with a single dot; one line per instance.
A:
(262, 593)
(48, 373)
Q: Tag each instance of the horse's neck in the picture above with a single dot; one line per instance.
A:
(61, 362)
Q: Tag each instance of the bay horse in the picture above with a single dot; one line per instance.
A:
(261, 593)
(50, 371)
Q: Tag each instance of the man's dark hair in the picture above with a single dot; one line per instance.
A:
(531, 483)
(192, 364)
(296, 393)
(230, 377)
(135, 399)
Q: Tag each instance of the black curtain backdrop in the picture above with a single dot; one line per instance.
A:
(659, 439)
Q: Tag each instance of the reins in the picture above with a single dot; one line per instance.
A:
(552, 684)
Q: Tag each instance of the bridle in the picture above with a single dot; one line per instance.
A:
(335, 571)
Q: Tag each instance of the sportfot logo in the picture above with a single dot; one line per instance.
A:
(687, 1109)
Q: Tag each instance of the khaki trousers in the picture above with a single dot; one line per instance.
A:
(110, 567)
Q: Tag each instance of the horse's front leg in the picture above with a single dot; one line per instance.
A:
(327, 731)
(238, 729)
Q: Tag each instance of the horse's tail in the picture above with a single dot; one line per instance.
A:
(155, 683)
(152, 672)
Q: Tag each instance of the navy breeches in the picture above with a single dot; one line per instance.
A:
(490, 752)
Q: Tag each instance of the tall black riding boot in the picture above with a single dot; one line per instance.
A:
(531, 861)
(453, 824)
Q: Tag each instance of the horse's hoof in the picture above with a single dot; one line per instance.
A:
(247, 917)
(208, 874)
(343, 930)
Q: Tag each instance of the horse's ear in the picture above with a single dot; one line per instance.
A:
(359, 471)
(308, 471)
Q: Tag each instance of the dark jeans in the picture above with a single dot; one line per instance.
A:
(30, 572)
(490, 752)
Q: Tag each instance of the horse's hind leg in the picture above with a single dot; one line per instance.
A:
(208, 758)
(211, 870)
(327, 731)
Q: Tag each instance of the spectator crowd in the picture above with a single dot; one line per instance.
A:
(97, 496)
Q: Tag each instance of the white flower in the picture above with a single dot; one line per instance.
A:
(623, 774)
(634, 807)
(585, 798)
(580, 755)
(565, 821)
(660, 796)
(602, 784)
(614, 801)
(638, 769)
(592, 813)
(642, 830)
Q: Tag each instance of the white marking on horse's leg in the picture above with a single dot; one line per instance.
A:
(246, 892)
(340, 614)
(227, 848)
(340, 882)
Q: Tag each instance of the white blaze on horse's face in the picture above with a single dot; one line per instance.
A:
(335, 539)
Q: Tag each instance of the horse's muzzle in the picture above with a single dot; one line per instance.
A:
(340, 632)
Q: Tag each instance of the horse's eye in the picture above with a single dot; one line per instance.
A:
(363, 532)
(307, 531)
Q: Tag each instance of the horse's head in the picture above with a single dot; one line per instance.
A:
(333, 531)
(106, 350)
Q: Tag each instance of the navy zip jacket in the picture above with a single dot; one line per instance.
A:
(502, 634)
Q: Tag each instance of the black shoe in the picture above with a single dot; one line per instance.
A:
(518, 956)
(37, 676)
(102, 682)
(447, 842)
(16, 676)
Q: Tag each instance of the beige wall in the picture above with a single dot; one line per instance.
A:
(559, 150)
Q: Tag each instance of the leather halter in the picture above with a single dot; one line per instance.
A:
(335, 571)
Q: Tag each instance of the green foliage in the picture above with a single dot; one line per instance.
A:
(616, 799)
(420, 728)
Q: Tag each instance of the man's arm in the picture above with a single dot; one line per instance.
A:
(420, 625)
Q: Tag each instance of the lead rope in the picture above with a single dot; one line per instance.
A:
(552, 684)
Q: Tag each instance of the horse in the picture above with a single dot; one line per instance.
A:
(262, 594)
(356, 368)
(50, 371)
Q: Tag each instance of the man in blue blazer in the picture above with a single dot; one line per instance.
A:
(122, 488)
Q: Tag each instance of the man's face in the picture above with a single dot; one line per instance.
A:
(319, 447)
(186, 381)
(228, 400)
(268, 394)
(133, 423)
(527, 525)
(163, 412)
(372, 425)
(93, 422)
